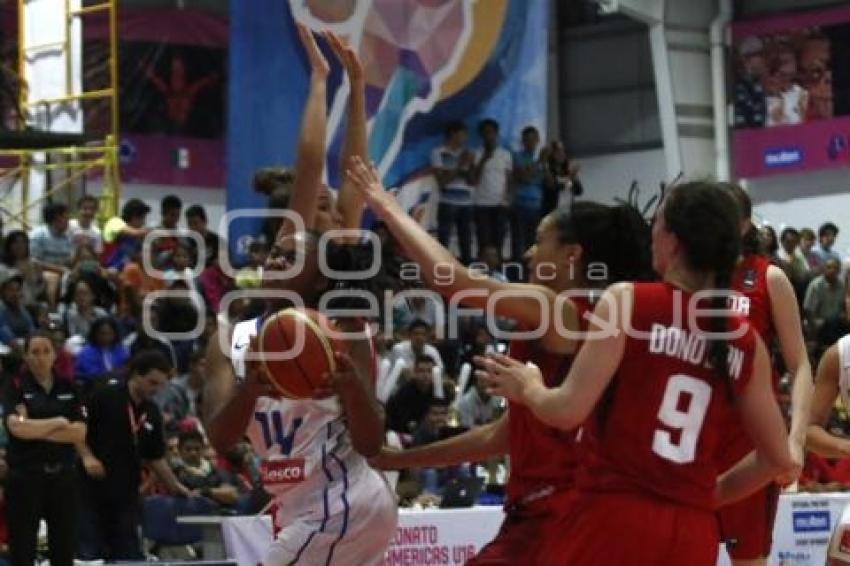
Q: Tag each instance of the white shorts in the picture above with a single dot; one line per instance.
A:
(353, 527)
(839, 544)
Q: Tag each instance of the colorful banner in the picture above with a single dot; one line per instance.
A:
(172, 80)
(792, 93)
(428, 62)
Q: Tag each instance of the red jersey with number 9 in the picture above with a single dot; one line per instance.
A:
(658, 427)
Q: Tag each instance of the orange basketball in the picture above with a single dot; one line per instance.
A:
(297, 371)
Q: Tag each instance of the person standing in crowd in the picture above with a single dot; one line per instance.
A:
(453, 165)
(792, 256)
(491, 178)
(124, 431)
(561, 176)
(80, 311)
(652, 421)
(568, 242)
(416, 345)
(408, 405)
(527, 197)
(807, 248)
(477, 407)
(50, 246)
(824, 299)
(765, 298)
(196, 219)
(44, 418)
(123, 235)
(826, 239)
(83, 231)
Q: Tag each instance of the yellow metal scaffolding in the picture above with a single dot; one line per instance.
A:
(79, 160)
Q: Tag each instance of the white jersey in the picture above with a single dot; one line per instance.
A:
(304, 444)
(844, 370)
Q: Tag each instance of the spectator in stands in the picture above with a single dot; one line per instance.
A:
(79, 311)
(826, 239)
(825, 296)
(164, 246)
(408, 405)
(199, 474)
(181, 397)
(16, 257)
(15, 321)
(419, 332)
(50, 245)
(103, 352)
(426, 308)
(136, 281)
(241, 467)
(140, 339)
(123, 235)
(85, 265)
(436, 426)
(477, 407)
(792, 256)
(769, 243)
(196, 219)
(491, 177)
(249, 277)
(214, 284)
(180, 270)
(124, 430)
(529, 176)
(561, 176)
(807, 248)
(452, 165)
(83, 230)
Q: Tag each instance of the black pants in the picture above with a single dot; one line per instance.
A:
(35, 495)
(460, 218)
(109, 526)
(490, 227)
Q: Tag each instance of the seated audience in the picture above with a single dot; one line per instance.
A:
(198, 473)
(103, 352)
(83, 231)
(825, 297)
(123, 235)
(16, 257)
(416, 345)
(181, 397)
(408, 405)
(15, 321)
(50, 245)
(196, 218)
(78, 311)
(477, 407)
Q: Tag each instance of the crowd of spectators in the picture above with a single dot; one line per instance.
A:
(85, 288)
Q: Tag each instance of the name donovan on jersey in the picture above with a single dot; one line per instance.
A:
(691, 348)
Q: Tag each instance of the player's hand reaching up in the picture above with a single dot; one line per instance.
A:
(319, 67)
(346, 55)
(506, 377)
(367, 182)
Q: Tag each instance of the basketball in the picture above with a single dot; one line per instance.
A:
(296, 372)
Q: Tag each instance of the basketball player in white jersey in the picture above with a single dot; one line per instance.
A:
(833, 380)
(332, 507)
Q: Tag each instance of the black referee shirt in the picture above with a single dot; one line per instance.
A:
(121, 434)
(60, 401)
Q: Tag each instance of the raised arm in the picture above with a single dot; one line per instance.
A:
(356, 142)
(789, 329)
(524, 303)
(310, 157)
(820, 441)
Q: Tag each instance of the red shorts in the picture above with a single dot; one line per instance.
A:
(746, 526)
(632, 530)
(519, 539)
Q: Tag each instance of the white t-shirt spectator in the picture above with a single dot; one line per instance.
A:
(404, 351)
(473, 411)
(492, 187)
(457, 191)
(85, 236)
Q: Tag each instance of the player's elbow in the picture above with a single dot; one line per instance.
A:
(369, 445)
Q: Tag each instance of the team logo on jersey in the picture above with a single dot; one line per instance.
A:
(285, 471)
(750, 277)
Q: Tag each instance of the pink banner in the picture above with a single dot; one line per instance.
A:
(788, 149)
(165, 160)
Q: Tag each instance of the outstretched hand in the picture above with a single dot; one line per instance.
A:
(346, 55)
(337, 382)
(318, 64)
(366, 181)
(506, 377)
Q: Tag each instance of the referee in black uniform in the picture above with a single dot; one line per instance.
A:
(45, 421)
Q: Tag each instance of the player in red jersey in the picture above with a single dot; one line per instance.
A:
(570, 243)
(766, 298)
(647, 485)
